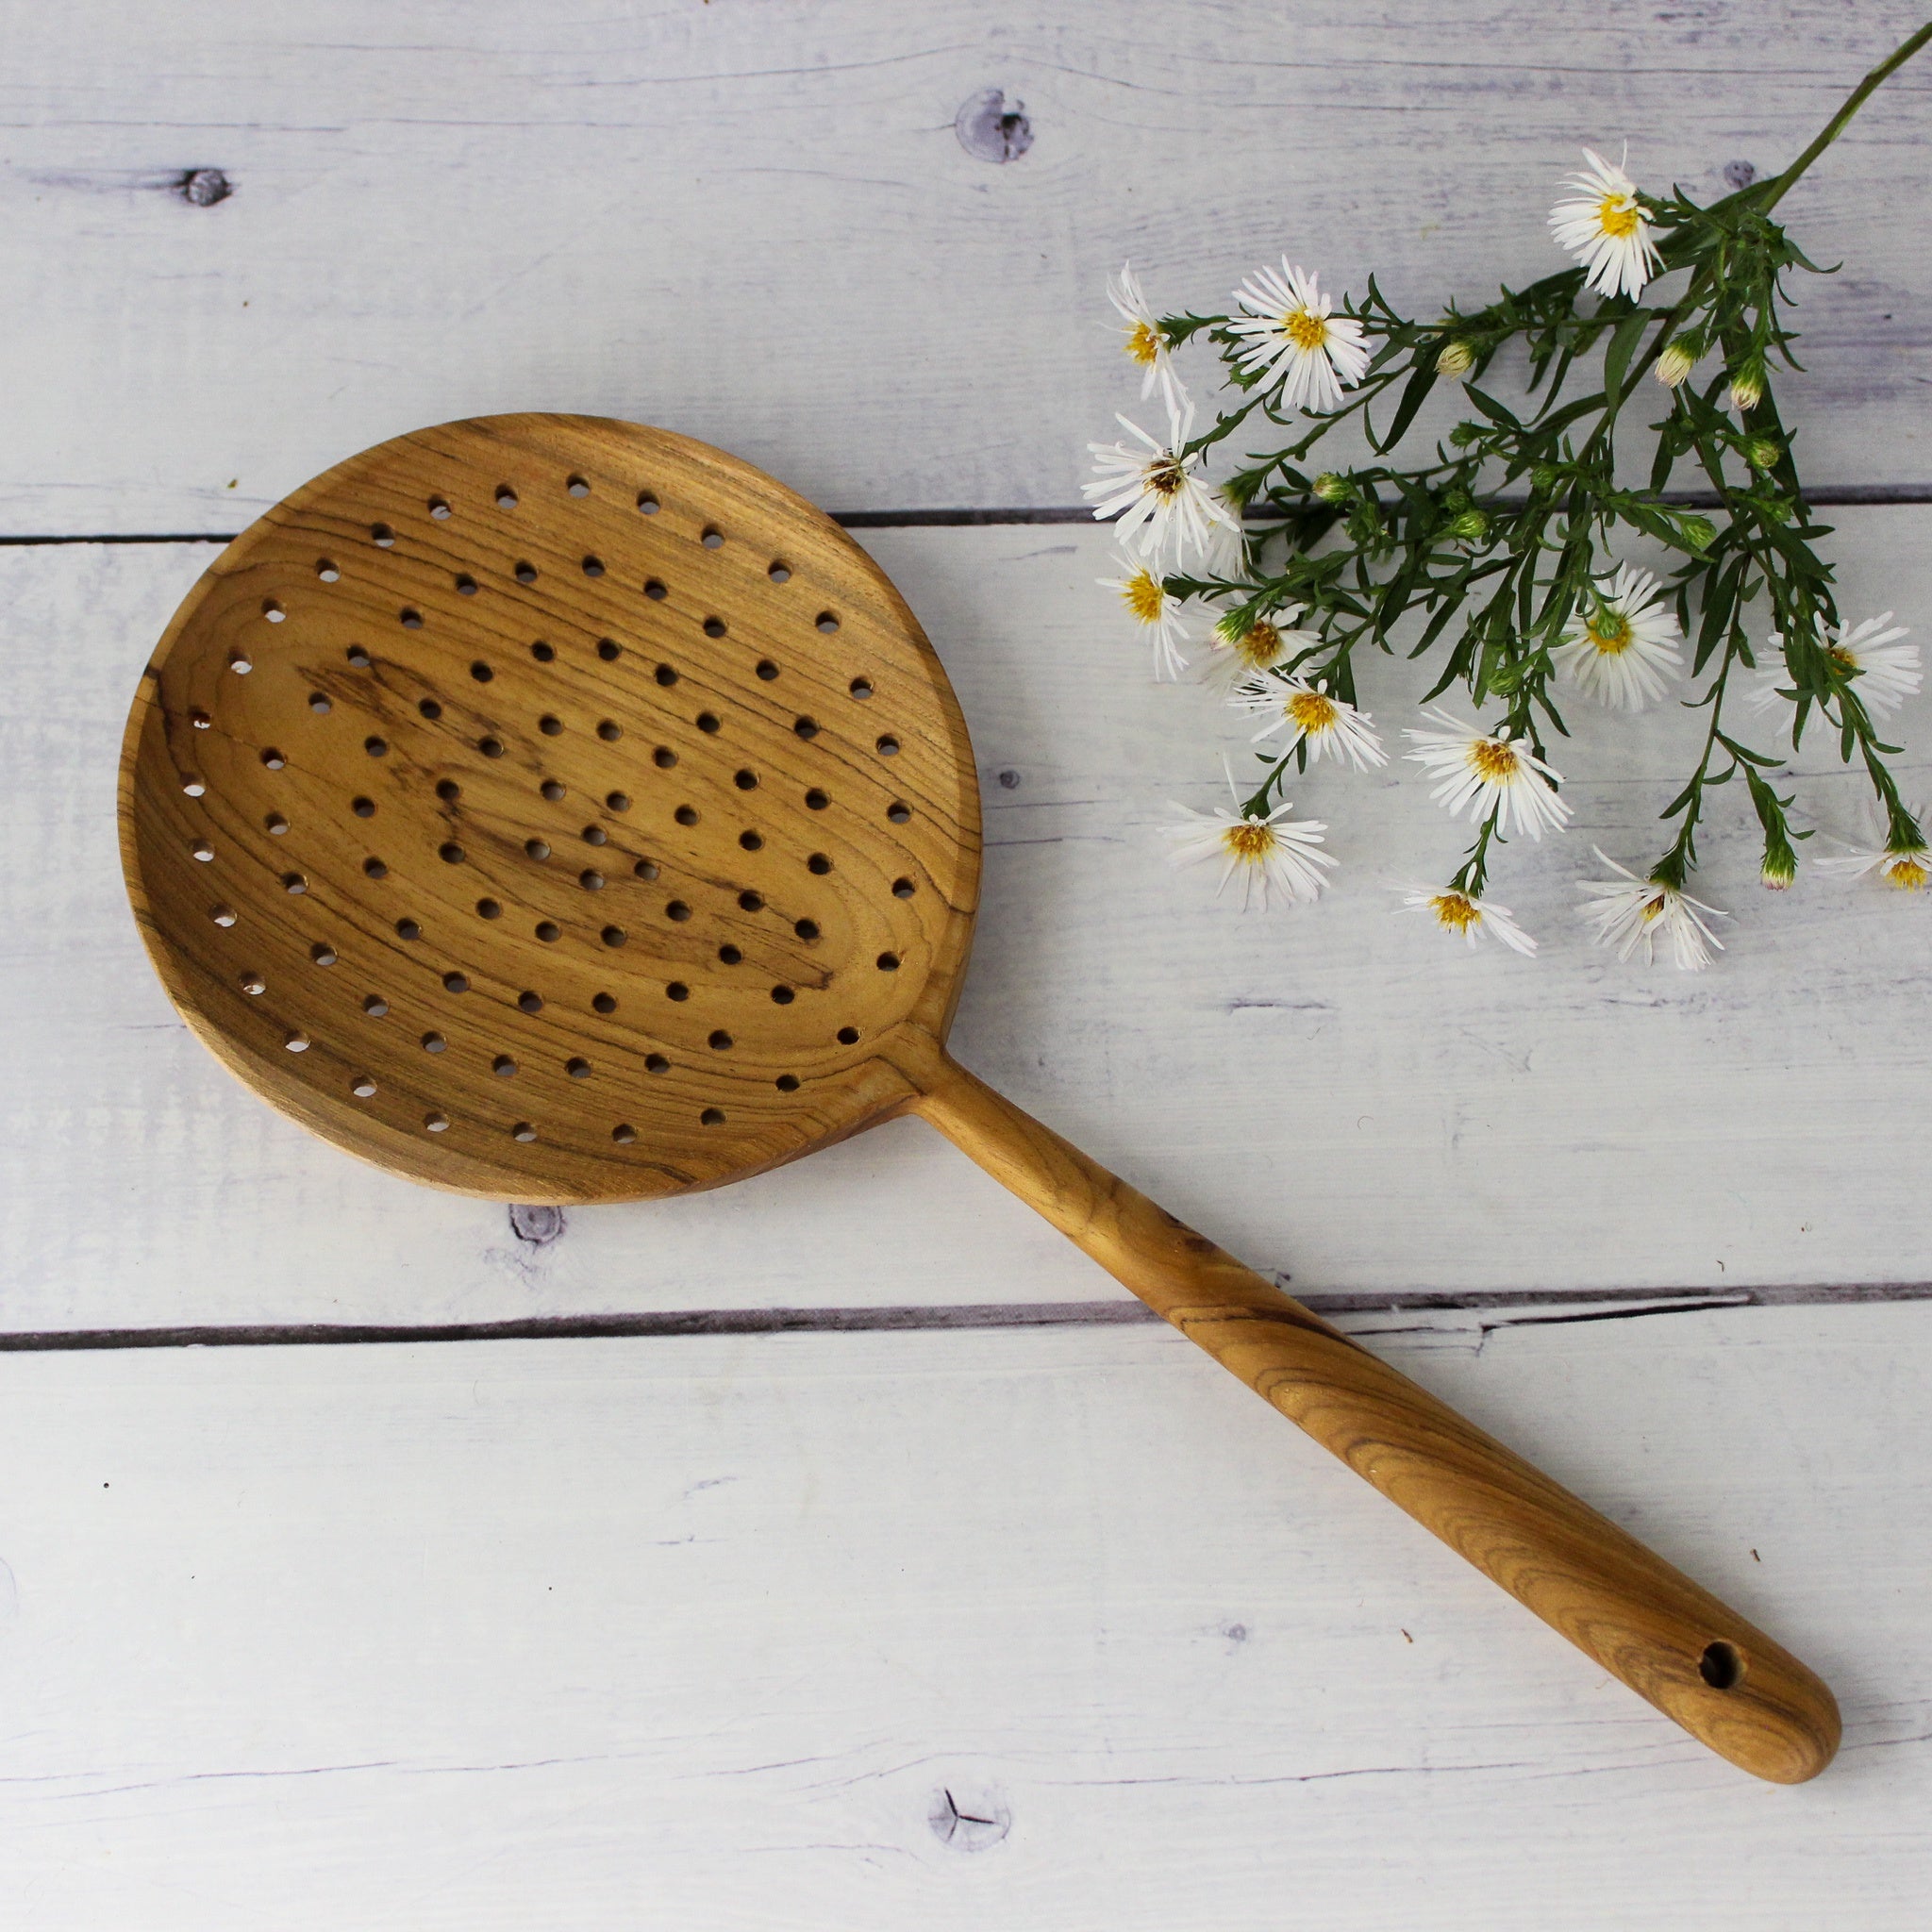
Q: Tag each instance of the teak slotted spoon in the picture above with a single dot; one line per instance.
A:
(552, 808)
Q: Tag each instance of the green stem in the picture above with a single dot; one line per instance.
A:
(1838, 122)
(1473, 877)
(1676, 863)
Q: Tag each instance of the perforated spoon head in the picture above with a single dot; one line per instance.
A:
(553, 809)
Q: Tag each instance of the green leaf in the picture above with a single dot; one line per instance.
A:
(1665, 461)
(1490, 408)
(1745, 755)
(1720, 600)
(1624, 341)
(1421, 380)
(1682, 799)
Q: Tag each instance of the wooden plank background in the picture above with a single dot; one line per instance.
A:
(754, 219)
(1335, 1093)
(1028, 1616)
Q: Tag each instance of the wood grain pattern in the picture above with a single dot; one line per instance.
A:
(1674, 1644)
(758, 222)
(1447, 1122)
(649, 1637)
(232, 812)
(552, 807)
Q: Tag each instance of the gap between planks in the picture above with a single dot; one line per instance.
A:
(1535, 1308)
(1829, 496)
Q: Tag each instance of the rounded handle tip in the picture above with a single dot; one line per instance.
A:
(1756, 1705)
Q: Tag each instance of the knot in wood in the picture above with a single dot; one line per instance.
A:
(204, 187)
(536, 1227)
(988, 130)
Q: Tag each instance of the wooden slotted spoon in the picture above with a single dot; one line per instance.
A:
(556, 810)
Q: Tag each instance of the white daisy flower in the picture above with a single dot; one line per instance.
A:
(1268, 855)
(1886, 670)
(1628, 912)
(1240, 655)
(1146, 344)
(1311, 717)
(1903, 868)
(1624, 651)
(1606, 230)
(1150, 607)
(1489, 771)
(1904, 872)
(1455, 911)
(1288, 332)
(1166, 511)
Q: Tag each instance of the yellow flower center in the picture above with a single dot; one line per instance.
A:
(1654, 906)
(1909, 871)
(1143, 595)
(1457, 910)
(1250, 842)
(1840, 657)
(1617, 215)
(1305, 329)
(1145, 343)
(1610, 631)
(1165, 475)
(1495, 762)
(1312, 713)
(1261, 648)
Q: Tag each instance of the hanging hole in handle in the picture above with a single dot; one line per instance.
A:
(1721, 1666)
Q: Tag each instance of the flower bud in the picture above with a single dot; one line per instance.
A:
(1677, 360)
(1780, 867)
(1542, 479)
(1331, 488)
(1762, 453)
(1455, 358)
(1464, 434)
(1470, 528)
(1747, 384)
(1699, 532)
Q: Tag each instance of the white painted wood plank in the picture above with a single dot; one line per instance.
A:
(756, 220)
(699, 1634)
(1334, 1095)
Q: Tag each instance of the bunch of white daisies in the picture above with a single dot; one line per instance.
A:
(1615, 637)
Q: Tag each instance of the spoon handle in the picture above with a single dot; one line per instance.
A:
(1674, 1644)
